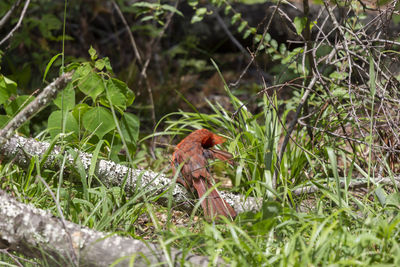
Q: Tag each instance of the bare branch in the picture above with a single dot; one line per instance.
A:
(6, 17)
(253, 55)
(133, 43)
(230, 35)
(18, 23)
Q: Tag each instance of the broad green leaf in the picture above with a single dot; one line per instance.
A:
(82, 71)
(116, 94)
(99, 121)
(79, 110)
(130, 127)
(66, 99)
(339, 92)
(51, 21)
(264, 226)
(99, 64)
(17, 105)
(129, 95)
(56, 121)
(396, 19)
(91, 85)
(7, 88)
(116, 97)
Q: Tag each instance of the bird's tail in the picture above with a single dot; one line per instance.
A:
(213, 205)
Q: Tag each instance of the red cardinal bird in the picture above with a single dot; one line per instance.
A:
(193, 151)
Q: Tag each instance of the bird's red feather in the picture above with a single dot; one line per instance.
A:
(194, 151)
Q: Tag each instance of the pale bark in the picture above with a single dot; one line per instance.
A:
(21, 150)
(37, 233)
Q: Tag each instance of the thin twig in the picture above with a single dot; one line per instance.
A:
(345, 137)
(230, 35)
(18, 23)
(154, 42)
(5, 18)
(5, 251)
(253, 55)
(131, 38)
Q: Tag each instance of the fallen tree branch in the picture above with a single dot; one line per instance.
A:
(356, 183)
(21, 150)
(37, 233)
